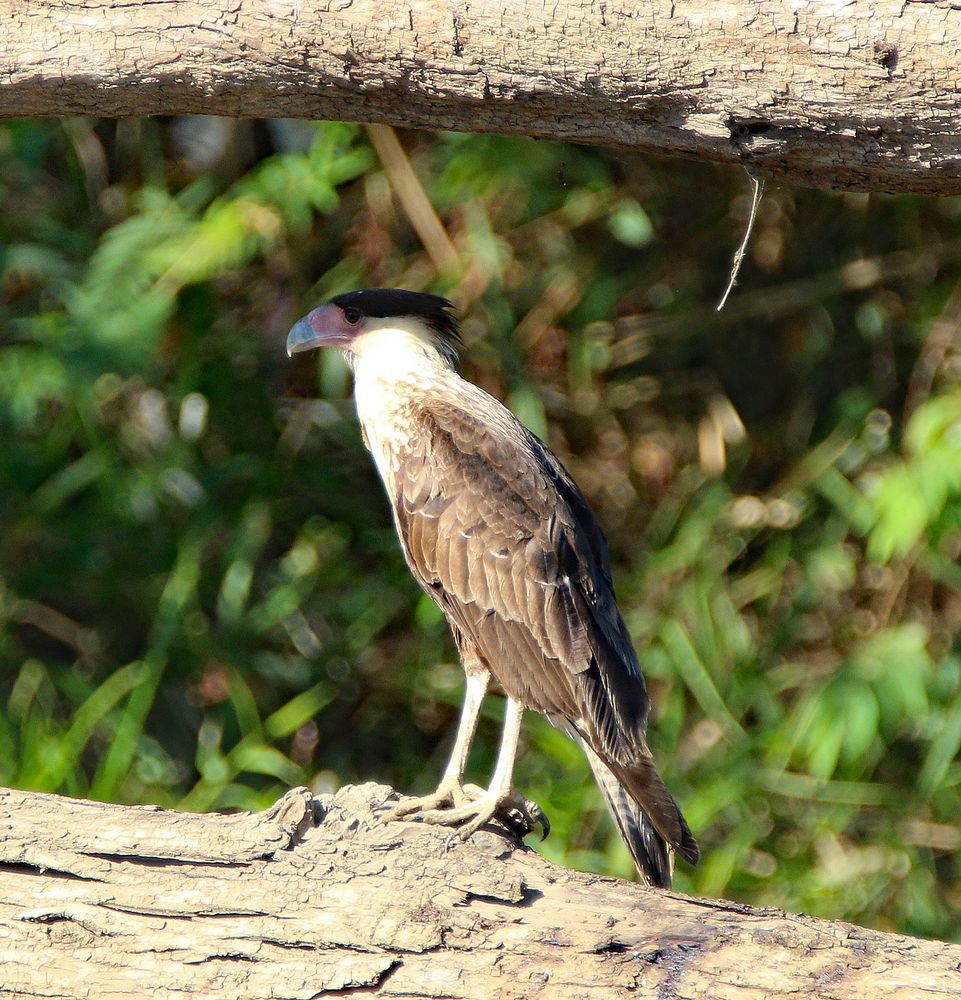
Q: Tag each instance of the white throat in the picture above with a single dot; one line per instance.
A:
(398, 345)
(394, 364)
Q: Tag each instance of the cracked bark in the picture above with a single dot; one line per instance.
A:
(314, 898)
(860, 96)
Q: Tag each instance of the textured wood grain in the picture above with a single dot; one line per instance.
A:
(862, 95)
(108, 901)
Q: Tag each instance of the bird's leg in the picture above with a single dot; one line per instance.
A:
(499, 800)
(450, 791)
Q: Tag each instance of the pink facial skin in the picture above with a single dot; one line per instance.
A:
(326, 326)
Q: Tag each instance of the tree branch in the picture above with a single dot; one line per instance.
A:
(864, 96)
(316, 897)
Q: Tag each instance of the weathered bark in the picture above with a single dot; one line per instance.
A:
(861, 95)
(102, 900)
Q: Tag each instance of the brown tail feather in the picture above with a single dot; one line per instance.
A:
(642, 782)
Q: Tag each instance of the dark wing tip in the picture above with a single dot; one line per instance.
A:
(649, 849)
(687, 847)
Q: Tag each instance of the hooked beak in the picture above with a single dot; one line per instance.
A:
(301, 337)
(322, 327)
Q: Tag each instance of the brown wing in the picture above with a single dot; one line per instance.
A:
(498, 534)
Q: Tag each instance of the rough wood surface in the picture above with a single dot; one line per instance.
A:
(863, 95)
(314, 897)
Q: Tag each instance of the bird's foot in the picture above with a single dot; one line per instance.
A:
(518, 815)
(450, 795)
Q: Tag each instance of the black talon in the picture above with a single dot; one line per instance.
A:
(517, 822)
(522, 815)
(538, 818)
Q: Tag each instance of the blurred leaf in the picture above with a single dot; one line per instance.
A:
(943, 751)
(297, 711)
(29, 378)
(901, 515)
(692, 670)
(630, 224)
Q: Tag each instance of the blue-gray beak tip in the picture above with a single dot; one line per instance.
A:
(301, 337)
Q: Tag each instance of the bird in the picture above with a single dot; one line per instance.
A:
(498, 535)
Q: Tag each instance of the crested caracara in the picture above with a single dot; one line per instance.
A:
(501, 539)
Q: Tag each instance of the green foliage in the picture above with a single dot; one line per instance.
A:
(919, 497)
(201, 597)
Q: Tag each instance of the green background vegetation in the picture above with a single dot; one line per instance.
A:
(201, 598)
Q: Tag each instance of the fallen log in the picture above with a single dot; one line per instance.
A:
(317, 897)
(862, 96)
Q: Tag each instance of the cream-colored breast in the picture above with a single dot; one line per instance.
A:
(396, 368)
(384, 411)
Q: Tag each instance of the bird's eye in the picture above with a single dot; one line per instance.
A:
(352, 315)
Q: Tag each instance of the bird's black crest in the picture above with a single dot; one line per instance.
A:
(434, 310)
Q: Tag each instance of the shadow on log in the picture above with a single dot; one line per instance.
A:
(314, 897)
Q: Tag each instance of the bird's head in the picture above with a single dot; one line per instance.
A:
(379, 320)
